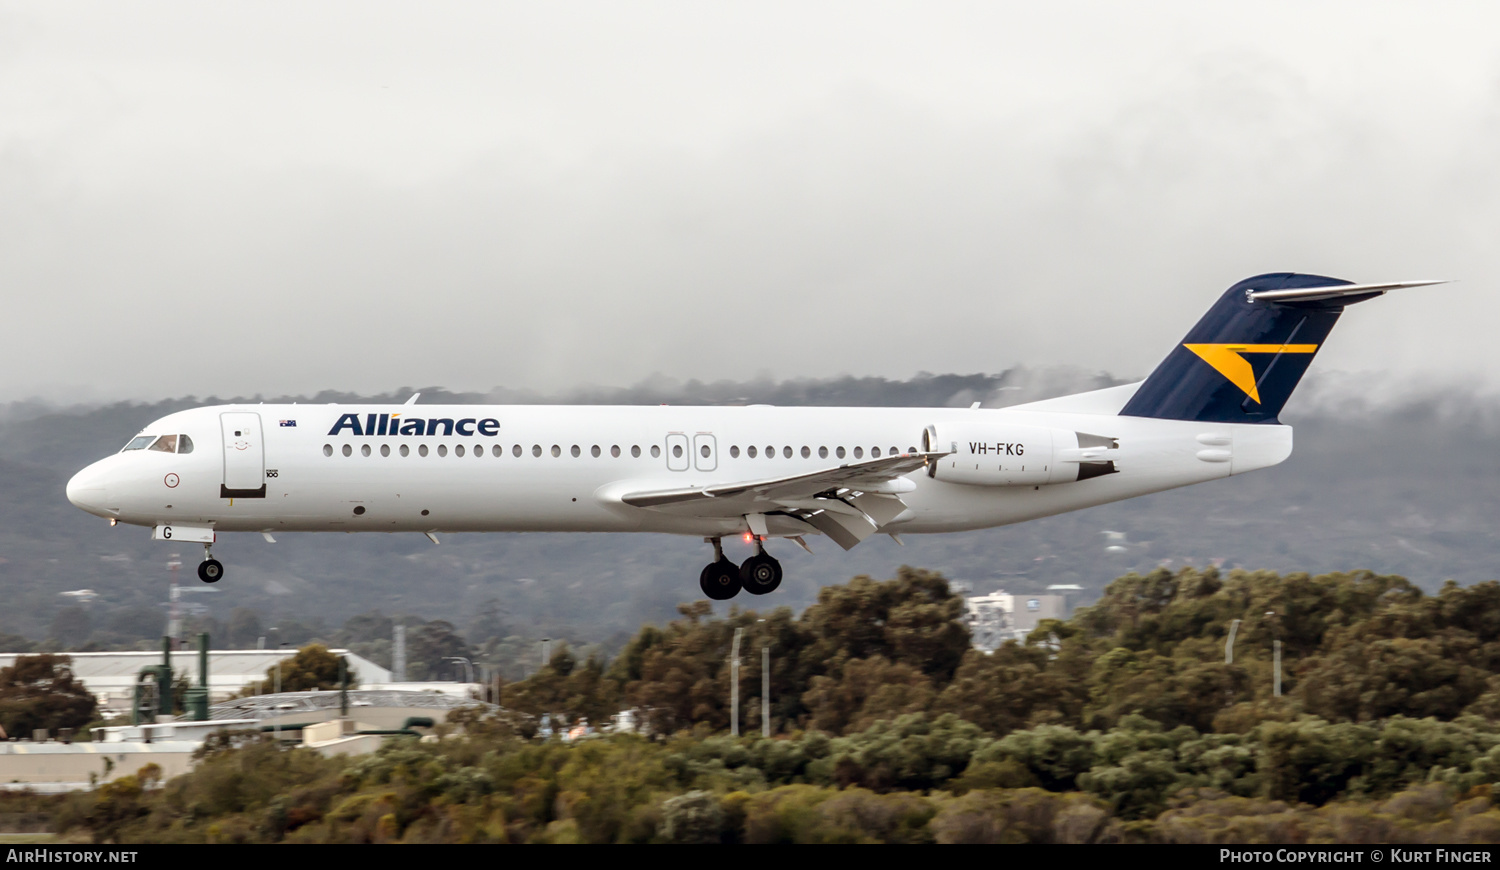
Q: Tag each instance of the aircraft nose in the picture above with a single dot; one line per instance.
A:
(87, 490)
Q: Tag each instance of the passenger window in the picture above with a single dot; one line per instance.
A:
(536, 450)
(184, 444)
(327, 449)
(875, 451)
(750, 451)
(442, 450)
(421, 449)
(556, 451)
(734, 452)
(822, 452)
(166, 444)
(839, 453)
(894, 451)
(364, 450)
(405, 451)
(385, 450)
(348, 451)
(676, 451)
(457, 451)
(594, 451)
(806, 452)
(770, 452)
(575, 451)
(140, 442)
(615, 451)
(859, 453)
(655, 452)
(786, 452)
(516, 451)
(497, 451)
(911, 450)
(635, 451)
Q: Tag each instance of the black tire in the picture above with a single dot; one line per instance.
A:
(720, 580)
(760, 574)
(210, 570)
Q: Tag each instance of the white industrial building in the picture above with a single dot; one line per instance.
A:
(112, 676)
(998, 617)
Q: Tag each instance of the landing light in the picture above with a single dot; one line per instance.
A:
(748, 536)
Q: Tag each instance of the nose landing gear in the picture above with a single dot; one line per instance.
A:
(210, 570)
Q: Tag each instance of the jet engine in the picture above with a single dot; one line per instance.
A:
(989, 454)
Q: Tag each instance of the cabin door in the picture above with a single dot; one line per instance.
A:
(244, 455)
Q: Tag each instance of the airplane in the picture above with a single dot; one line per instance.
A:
(1209, 410)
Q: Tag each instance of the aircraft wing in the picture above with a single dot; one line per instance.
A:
(848, 503)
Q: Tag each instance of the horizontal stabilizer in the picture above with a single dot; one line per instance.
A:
(1337, 291)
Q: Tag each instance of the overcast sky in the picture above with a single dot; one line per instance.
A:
(242, 198)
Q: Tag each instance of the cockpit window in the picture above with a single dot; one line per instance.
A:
(185, 444)
(166, 444)
(140, 442)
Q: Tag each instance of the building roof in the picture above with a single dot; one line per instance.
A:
(291, 703)
(115, 673)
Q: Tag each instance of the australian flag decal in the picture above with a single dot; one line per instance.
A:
(292, 423)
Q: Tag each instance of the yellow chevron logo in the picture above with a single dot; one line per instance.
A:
(1228, 361)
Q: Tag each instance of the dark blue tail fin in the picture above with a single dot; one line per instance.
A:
(1244, 358)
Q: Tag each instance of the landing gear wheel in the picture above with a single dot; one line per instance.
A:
(760, 574)
(210, 570)
(720, 580)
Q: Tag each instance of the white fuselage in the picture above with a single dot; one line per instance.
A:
(554, 468)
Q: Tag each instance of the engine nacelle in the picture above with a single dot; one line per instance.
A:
(1017, 455)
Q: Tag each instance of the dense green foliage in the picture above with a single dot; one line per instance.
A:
(1124, 723)
(1357, 648)
(916, 779)
(40, 692)
(311, 669)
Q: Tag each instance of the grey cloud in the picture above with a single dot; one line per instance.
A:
(879, 220)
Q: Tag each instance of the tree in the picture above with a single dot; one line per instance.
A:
(429, 645)
(869, 690)
(313, 668)
(913, 620)
(489, 623)
(40, 692)
(71, 626)
(244, 628)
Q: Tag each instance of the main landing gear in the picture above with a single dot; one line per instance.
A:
(721, 579)
(210, 570)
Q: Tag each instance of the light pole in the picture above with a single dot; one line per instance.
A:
(734, 685)
(1275, 652)
(1229, 644)
(765, 691)
(765, 688)
(275, 722)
